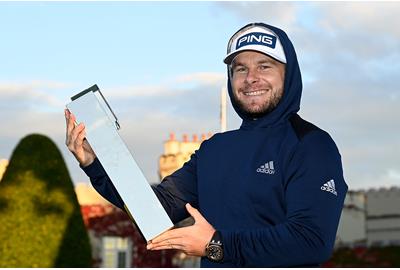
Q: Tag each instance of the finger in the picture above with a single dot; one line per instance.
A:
(169, 235)
(66, 114)
(176, 240)
(70, 125)
(173, 246)
(194, 212)
(80, 138)
(160, 247)
(170, 244)
(68, 129)
(75, 133)
(165, 235)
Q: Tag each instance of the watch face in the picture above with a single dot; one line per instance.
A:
(215, 252)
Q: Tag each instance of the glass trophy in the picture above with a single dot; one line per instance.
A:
(141, 203)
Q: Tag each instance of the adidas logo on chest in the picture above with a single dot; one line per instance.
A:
(267, 168)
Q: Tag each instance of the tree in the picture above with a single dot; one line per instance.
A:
(40, 220)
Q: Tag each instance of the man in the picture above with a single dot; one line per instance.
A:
(269, 194)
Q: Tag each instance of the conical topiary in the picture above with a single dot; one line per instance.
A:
(40, 220)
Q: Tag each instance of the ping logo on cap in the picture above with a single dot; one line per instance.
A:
(256, 38)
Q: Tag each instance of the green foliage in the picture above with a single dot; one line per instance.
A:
(40, 220)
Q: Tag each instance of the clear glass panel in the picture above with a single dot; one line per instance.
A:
(120, 166)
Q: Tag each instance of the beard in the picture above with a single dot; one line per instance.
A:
(254, 110)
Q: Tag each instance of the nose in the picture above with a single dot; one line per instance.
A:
(252, 76)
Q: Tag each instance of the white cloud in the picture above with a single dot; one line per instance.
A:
(189, 103)
(123, 92)
(202, 78)
(382, 179)
(362, 120)
(169, 88)
(41, 95)
(361, 34)
(394, 174)
(373, 17)
(349, 55)
(35, 84)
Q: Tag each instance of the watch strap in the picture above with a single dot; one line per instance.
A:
(217, 237)
(214, 249)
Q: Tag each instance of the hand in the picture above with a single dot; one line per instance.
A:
(75, 140)
(192, 240)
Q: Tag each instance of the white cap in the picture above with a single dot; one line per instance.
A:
(255, 38)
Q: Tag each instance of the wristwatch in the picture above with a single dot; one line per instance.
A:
(214, 249)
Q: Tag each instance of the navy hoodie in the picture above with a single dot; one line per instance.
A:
(274, 188)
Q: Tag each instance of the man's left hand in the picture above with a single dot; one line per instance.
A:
(192, 240)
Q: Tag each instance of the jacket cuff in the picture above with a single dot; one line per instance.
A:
(228, 243)
(94, 170)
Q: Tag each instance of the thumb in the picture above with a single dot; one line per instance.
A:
(193, 212)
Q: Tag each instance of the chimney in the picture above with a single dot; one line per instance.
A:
(195, 138)
(185, 138)
(172, 136)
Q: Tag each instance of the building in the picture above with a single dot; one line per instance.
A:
(383, 216)
(352, 225)
(176, 153)
(87, 195)
(370, 218)
(114, 239)
(3, 167)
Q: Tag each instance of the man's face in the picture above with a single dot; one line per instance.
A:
(257, 82)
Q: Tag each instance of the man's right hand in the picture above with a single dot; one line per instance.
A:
(75, 141)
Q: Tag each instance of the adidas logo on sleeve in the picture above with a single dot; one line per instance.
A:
(267, 168)
(330, 187)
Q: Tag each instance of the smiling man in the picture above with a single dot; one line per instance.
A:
(268, 194)
(257, 82)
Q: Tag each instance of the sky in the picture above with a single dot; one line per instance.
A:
(160, 66)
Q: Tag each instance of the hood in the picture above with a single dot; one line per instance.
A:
(290, 101)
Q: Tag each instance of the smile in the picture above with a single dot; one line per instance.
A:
(255, 93)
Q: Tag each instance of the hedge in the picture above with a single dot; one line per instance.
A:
(40, 220)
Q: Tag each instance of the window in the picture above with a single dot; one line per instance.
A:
(117, 252)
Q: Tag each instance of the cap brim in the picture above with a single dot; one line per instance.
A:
(228, 59)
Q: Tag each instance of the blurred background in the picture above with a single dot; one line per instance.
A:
(160, 66)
